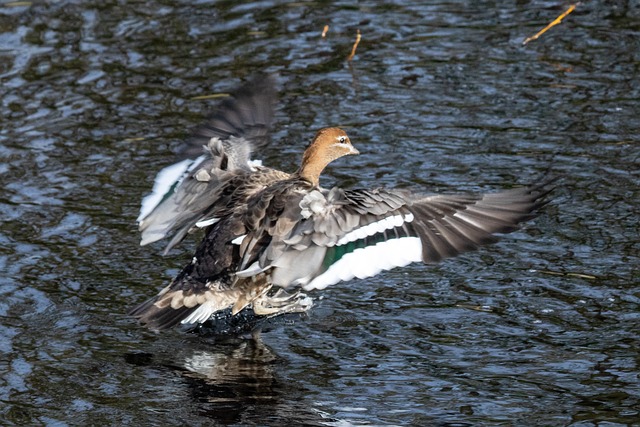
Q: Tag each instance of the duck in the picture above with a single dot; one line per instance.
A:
(272, 238)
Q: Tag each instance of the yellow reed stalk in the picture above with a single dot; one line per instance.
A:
(355, 46)
(552, 24)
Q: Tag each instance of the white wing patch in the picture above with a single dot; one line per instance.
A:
(164, 181)
(238, 240)
(375, 227)
(369, 261)
(206, 222)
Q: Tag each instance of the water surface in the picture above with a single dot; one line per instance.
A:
(540, 329)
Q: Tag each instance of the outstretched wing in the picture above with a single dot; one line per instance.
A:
(326, 238)
(246, 113)
(217, 151)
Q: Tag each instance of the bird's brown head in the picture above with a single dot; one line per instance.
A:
(328, 145)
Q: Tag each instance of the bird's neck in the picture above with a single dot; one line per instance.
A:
(312, 166)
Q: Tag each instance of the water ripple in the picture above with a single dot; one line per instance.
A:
(541, 328)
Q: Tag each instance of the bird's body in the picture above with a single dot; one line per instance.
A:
(270, 234)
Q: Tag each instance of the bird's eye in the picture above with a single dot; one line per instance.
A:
(342, 140)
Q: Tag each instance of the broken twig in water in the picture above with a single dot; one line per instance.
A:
(355, 46)
(569, 274)
(552, 24)
(212, 96)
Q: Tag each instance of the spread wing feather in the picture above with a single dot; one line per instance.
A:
(247, 113)
(186, 193)
(319, 238)
(293, 235)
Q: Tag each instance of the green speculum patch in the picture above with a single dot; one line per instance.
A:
(335, 253)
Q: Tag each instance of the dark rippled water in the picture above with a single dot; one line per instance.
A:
(540, 329)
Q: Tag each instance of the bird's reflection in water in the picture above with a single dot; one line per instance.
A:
(235, 381)
(230, 377)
